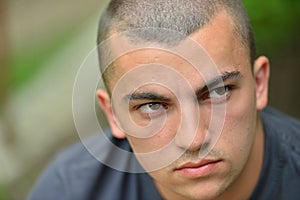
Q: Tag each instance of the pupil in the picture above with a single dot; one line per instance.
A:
(221, 90)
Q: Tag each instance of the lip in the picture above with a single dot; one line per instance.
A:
(199, 169)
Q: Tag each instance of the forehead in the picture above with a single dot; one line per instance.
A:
(218, 39)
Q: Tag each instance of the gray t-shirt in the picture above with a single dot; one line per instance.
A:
(76, 175)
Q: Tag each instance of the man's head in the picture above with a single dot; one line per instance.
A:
(165, 102)
(181, 16)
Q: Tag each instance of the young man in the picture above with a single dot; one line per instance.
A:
(187, 96)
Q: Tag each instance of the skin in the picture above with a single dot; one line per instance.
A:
(240, 145)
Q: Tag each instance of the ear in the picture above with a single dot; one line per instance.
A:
(261, 75)
(105, 104)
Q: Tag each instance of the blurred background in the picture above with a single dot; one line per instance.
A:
(42, 45)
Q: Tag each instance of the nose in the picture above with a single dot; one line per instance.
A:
(191, 132)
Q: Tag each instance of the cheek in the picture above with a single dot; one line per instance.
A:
(157, 134)
(239, 130)
(156, 152)
(157, 141)
(241, 111)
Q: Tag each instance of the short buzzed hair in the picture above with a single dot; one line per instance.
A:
(181, 16)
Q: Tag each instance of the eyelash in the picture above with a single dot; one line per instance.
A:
(207, 95)
(163, 108)
(152, 103)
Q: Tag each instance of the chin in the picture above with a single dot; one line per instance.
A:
(201, 191)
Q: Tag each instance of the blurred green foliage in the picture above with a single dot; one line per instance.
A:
(275, 22)
(26, 64)
(3, 192)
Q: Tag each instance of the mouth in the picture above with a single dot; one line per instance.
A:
(199, 169)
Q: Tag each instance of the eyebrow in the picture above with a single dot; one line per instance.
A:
(226, 76)
(146, 96)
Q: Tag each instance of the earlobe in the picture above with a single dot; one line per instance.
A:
(261, 74)
(105, 104)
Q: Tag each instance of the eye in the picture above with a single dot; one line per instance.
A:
(152, 108)
(219, 92)
(217, 95)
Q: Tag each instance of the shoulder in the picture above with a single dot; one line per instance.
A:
(281, 169)
(282, 135)
(282, 127)
(77, 170)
